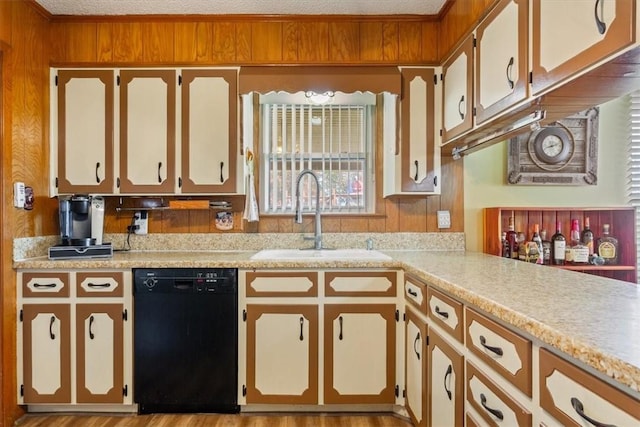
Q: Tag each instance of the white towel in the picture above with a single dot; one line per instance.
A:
(250, 203)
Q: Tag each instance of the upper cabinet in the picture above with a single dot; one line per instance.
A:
(457, 102)
(501, 59)
(570, 36)
(134, 132)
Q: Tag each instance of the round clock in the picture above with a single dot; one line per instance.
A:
(551, 146)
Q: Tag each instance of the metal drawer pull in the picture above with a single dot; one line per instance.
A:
(414, 345)
(301, 328)
(412, 292)
(51, 334)
(415, 178)
(509, 70)
(577, 405)
(460, 109)
(91, 336)
(159, 176)
(97, 169)
(602, 27)
(495, 412)
(340, 321)
(496, 350)
(221, 171)
(448, 375)
(99, 285)
(45, 285)
(441, 313)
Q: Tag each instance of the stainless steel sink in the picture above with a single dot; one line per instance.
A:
(320, 254)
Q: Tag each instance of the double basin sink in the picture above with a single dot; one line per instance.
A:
(321, 255)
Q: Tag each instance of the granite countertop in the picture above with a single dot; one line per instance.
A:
(590, 318)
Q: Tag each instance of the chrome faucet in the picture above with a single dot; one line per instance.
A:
(317, 238)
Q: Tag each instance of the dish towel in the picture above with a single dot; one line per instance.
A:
(250, 202)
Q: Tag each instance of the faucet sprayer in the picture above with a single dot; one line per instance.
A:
(298, 215)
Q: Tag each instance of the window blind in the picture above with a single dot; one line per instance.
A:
(634, 160)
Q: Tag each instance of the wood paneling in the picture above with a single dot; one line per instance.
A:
(344, 42)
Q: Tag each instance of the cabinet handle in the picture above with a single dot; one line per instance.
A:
(99, 285)
(496, 350)
(415, 178)
(97, 176)
(495, 412)
(577, 405)
(45, 285)
(602, 26)
(412, 292)
(51, 334)
(441, 313)
(221, 171)
(460, 109)
(509, 70)
(340, 321)
(159, 167)
(301, 327)
(448, 375)
(91, 336)
(414, 345)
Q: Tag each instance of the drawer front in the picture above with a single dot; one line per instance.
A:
(282, 284)
(415, 292)
(446, 312)
(506, 352)
(576, 398)
(492, 403)
(45, 285)
(360, 283)
(100, 284)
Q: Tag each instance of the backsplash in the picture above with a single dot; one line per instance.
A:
(31, 247)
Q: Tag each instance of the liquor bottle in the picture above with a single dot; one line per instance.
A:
(608, 246)
(558, 246)
(579, 252)
(506, 248)
(546, 248)
(512, 238)
(587, 236)
(536, 252)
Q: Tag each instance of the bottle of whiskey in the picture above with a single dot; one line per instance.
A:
(512, 238)
(536, 252)
(546, 248)
(587, 237)
(579, 252)
(558, 246)
(608, 247)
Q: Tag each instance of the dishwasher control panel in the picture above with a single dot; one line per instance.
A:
(185, 280)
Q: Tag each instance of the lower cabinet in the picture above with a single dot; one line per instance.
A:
(416, 368)
(445, 383)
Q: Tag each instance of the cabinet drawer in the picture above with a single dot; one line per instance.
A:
(572, 396)
(446, 312)
(493, 403)
(282, 284)
(99, 284)
(45, 285)
(415, 292)
(360, 283)
(503, 350)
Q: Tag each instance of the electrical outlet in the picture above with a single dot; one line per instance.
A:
(444, 219)
(140, 221)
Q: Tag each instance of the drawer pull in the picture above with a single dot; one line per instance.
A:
(51, 334)
(301, 328)
(577, 405)
(600, 24)
(99, 285)
(45, 285)
(412, 293)
(495, 412)
(415, 178)
(509, 69)
(340, 321)
(448, 375)
(497, 350)
(91, 335)
(441, 313)
(414, 345)
(460, 111)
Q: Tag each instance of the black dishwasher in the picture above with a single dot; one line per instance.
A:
(186, 340)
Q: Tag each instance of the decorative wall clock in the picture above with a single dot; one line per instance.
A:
(562, 153)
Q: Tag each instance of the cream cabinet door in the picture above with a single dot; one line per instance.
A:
(445, 383)
(458, 91)
(46, 353)
(209, 131)
(416, 373)
(100, 356)
(84, 115)
(282, 354)
(571, 35)
(359, 353)
(147, 131)
(501, 59)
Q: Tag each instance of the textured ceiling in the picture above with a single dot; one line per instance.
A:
(232, 7)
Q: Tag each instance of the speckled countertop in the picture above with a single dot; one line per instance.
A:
(594, 320)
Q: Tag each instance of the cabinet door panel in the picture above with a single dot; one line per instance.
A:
(147, 131)
(46, 353)
(416, 373)
(446, 383)
(209, 137)
(100, 357)
(457, 91)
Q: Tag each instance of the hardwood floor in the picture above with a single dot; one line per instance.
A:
(213, 420)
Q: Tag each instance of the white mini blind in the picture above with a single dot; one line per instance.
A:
(634, 160)
(334, 141)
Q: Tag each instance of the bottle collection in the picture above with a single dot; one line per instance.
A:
(580, 248)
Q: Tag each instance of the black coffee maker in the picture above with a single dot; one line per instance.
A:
(81, 220)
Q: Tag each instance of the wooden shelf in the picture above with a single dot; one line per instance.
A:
(621, 219)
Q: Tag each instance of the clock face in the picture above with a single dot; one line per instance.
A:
(552, 146)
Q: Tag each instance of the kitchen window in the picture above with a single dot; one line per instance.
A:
(634, 160)
(331, 134)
